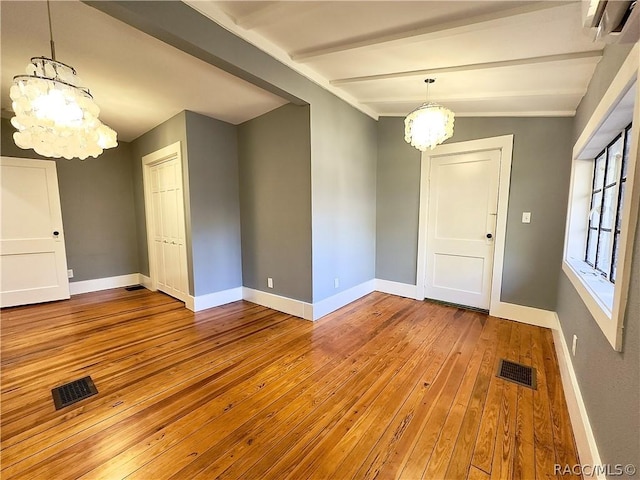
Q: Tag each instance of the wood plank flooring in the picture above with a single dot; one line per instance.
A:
(384, 388)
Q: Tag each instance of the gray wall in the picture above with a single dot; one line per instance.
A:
(344, 155)
(214, 204)
(609, 380)
(335, 156)
(539, 184)
(169, 132)
(96, 197)
(607, 68)
(398, 204)
(211, 198)
(275, 201)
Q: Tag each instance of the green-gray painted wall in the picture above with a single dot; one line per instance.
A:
(275, 202)
(214, 200)
(343, 176)
(211, 198)
(343, 145)
(167, 133)
(539, 184)
(609, 380)
(96, 198)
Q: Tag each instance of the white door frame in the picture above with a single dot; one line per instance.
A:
(170, 151)
(504, 143)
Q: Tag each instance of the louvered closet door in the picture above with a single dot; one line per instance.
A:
(169, 228)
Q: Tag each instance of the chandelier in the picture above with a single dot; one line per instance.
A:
(428, 125)
(54, 115)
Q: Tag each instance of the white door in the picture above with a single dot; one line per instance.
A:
(33, 262)
(461, 224)
(167, 239)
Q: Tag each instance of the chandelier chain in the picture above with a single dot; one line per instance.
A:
(53, 45)
(54, 114)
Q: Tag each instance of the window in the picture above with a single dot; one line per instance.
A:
(604, 203)
(607, 197)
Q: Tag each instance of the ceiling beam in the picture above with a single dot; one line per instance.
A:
(220, 18)
(475, 96)
(517, 113)
(455, 27)
(563, 57)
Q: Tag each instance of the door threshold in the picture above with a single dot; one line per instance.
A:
(457, 305)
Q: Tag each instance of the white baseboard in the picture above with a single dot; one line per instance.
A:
(585, 441)
(530, 315)
(396, 288)
(334, 302)
(307, 310)
(210, 300)
(282, 304)
(146, 282)
(95, 285)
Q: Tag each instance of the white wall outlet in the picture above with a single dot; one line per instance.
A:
(336, 282)
(70, 273)
(526, 217)
(270, 282)
(574, 345)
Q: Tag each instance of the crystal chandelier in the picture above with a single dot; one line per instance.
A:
(54, 115)
(428, 125)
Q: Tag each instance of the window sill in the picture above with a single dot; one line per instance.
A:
(593, 281)
(596, 292)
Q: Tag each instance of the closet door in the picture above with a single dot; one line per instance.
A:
(165, 205)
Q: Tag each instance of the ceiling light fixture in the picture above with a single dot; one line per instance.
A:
(428, 125)
(54, 115)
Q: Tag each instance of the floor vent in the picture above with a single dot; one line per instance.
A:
(131, 288)
(73, 392)
(515, 372)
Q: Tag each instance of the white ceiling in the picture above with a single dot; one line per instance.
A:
(137, 80)
(490, 58)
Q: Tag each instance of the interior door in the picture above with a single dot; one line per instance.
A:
(461, 223)
(169, 228)
(33, 262)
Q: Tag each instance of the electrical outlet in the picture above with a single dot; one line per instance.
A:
(526, 217)
(270, 282)
(336, 282)
(574, 345)
(70, 273)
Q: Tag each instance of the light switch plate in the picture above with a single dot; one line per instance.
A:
(526, 217)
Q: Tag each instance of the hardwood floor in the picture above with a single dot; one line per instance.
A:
(384, 388)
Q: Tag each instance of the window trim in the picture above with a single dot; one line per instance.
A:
(616, 184)
(605, 301)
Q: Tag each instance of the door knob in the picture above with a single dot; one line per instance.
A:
(489, 235)
(56, 233)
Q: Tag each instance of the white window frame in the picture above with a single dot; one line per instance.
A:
(614, 185)
(606, 301)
